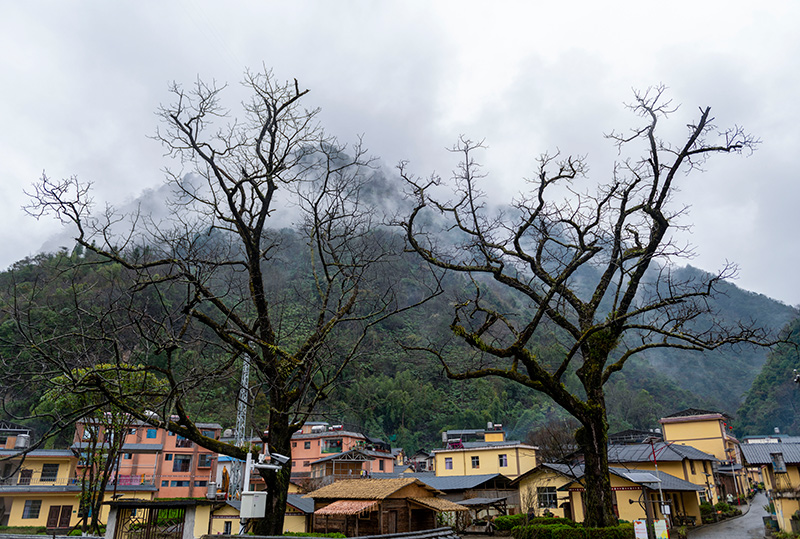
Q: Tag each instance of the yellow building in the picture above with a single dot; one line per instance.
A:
(299, 511)
(780, 469)
(632, 489)
(509, 458)
(710, 432)
(681, 461)
(540, 490)
(43, 491)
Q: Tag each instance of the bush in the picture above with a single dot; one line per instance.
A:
(567, 529)
(300, 534)
(506, 522)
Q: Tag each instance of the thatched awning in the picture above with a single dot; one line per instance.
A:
(348, 507)
(438, 504)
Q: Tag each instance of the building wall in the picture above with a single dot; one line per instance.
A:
(303, 456)
(628, 496)
(707, 435)
(518, 460)
(529, 488)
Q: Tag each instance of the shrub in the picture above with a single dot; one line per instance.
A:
(506, 522)
(567, 529)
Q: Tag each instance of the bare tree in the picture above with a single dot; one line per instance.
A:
(212, 287)
(591, 269)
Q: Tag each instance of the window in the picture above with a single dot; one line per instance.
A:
(165, 483)
(207, 433)
(448, 463)
(182, 463)
(151, 433)
(227, 526)
(294, 444)
(705, 470)
(293, 463)
(204, 460)
(201, 483)
(476, 462)
(128, 456)
(179, 484)
(306, 463)
(691, 466)
(32, 508)
(380, 465)
(180, 441)
(547, 497)
(87, 434)
(131, 431)
(168, 456)
(49, 472)
(503, 460)
(307, 445)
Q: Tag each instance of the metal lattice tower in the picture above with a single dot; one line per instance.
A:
(237, 469)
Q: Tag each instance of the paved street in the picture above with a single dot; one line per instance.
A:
(749, 526)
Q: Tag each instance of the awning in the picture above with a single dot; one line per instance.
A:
(348, 507)
(438, 504)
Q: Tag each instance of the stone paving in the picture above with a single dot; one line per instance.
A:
(747, 526)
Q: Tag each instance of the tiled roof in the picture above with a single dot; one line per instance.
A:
(650, 479)
(306, 505)
(49, 453)
(364, 489)
(760, 453)
(366, 453)
(689, 412)
(457, 482)
(664, 452)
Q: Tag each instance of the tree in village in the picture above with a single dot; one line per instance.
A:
(68, 400)
(209, 287)
(590, 272)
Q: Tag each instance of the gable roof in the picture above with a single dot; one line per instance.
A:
(761, 453)
(664, 452)
(458, 482)
(356, 454)
(570, 471)
(366, 489)
(650, 479)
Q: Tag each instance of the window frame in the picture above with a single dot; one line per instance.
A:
(32, 509)
(52, 474)
(547, 497)
(476, 461)
(448, 463)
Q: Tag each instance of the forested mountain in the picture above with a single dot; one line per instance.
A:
(404, 397)
(774, 398)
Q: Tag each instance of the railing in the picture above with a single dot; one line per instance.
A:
(119, 480)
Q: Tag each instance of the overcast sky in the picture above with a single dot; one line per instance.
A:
(81, 81)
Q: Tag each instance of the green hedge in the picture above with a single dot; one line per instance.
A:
(566, 529)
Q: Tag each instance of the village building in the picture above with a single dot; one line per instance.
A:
(710, 432)
(360, 507)
(490, 453)
(779, 464)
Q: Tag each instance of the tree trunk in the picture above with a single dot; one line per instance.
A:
(279, 441)
(592, 438)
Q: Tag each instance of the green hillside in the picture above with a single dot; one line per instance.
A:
(401, 395)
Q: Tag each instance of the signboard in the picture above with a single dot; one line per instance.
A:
(661, 529)
(640, 529)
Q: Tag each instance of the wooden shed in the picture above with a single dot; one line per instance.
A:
(358, 507)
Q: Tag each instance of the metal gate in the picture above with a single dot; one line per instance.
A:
(150, 523)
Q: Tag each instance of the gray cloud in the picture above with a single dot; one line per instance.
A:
(82, 80)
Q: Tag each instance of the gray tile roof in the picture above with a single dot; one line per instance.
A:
(649, 479)
(664, 452)
(367, 453)
(38, 453)
(306, 505)
(760, 453)
(457, 482)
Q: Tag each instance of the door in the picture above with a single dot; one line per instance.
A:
(66, 516)
(25, 477)
(392, 522)
(52, 516)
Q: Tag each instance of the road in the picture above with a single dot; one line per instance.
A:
(749, 526)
